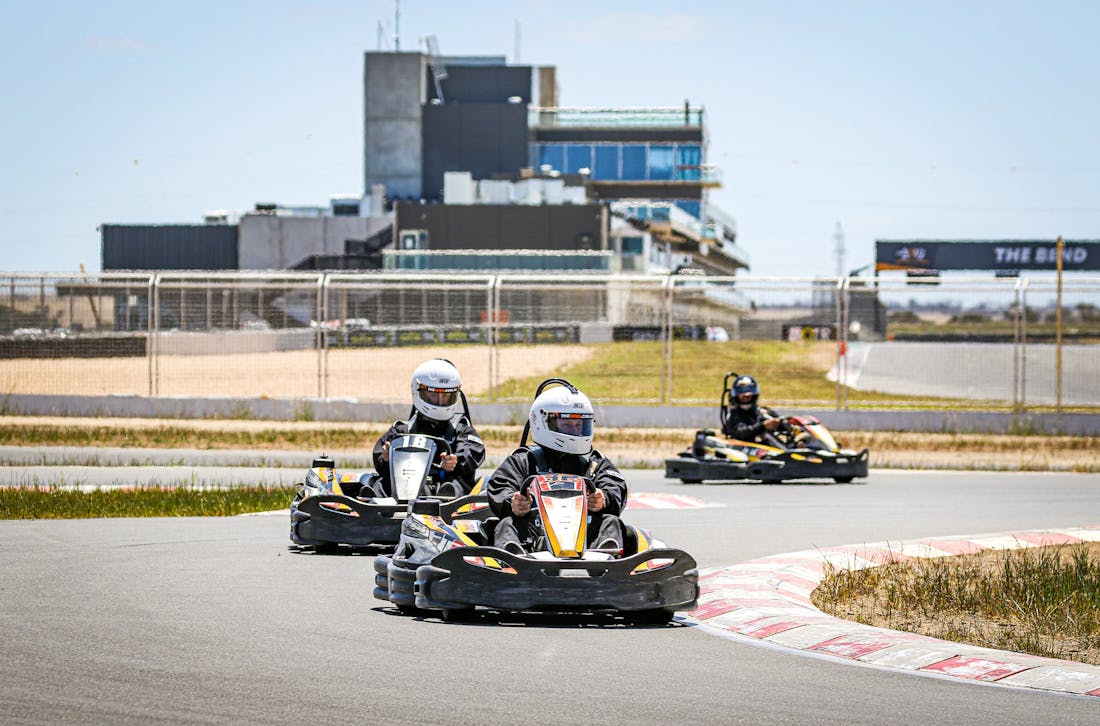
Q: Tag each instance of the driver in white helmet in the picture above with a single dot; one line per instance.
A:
(438, 410)
(561, 422)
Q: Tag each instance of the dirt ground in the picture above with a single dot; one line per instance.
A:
(374, 374)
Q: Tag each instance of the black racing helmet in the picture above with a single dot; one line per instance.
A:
(746, 391)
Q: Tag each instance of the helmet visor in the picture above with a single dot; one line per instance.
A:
(570, 424)
(437, 396)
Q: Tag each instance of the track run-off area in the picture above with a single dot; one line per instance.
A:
(216, 620)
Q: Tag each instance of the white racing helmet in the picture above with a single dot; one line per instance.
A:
(562, 420)
(435, 387)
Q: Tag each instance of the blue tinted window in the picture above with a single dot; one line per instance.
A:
(691, 207)
(661, 162)
(688, 159)
(577, 157)
(633, 162)
(607, 162)
(633, 245)
(552, 155)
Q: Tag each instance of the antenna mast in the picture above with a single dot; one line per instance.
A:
(838, 247)
(396, 25)
(439, 71)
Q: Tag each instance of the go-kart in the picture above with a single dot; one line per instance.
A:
(800, 448)
(447, 564)
(359, 509)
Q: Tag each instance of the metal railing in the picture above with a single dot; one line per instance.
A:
(979, 343)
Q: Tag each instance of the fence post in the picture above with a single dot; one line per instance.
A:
(666, 340)
(1018, 315)
(1023, 346)
(322, 348)
(841, 338)
(494, 336)
(154, 336)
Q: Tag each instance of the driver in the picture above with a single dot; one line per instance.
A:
(747, 421)
(438, 411)
(561, 422)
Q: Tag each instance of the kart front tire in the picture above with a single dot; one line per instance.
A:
(692, 481)
(656, 616)
(456, 615)
(843, 479)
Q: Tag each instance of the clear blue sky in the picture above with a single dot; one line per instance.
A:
(896, 118)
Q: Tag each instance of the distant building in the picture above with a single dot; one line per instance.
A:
(458, 156)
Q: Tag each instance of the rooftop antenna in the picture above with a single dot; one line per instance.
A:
(838, 247)
(397, 25)
(439, 71)
(381, 34)
(516, 43)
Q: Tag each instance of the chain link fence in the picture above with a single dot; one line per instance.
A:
(888, 342)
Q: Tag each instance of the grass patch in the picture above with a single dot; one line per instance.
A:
(1044, 601)
(791, 374)
(631, 371)
(65, 503)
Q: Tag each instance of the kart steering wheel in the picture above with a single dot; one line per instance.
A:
(441, 446)
(589, 487)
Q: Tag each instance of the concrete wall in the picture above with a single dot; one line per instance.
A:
(269, 241)
(393, 94)
(222, 342)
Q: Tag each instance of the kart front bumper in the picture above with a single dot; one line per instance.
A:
(345, 521)
(800, 464)
(458, 579)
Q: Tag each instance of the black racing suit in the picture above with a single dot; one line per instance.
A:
(458, 432)
(605, 529)
(748, 425)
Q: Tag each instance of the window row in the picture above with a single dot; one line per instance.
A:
(627, 162)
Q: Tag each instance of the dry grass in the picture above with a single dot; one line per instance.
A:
(1044, 601)
(628, 447)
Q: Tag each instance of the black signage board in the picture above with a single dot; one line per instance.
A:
(1077, 255)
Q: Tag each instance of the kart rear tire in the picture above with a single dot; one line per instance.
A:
(692, 481)
(843, 479)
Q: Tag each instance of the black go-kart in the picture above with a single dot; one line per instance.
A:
(445, 563)
(359, 509)
(801, 448)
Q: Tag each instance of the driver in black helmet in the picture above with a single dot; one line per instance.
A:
(747, 421)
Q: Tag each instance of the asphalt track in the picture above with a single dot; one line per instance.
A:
(214, 620)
